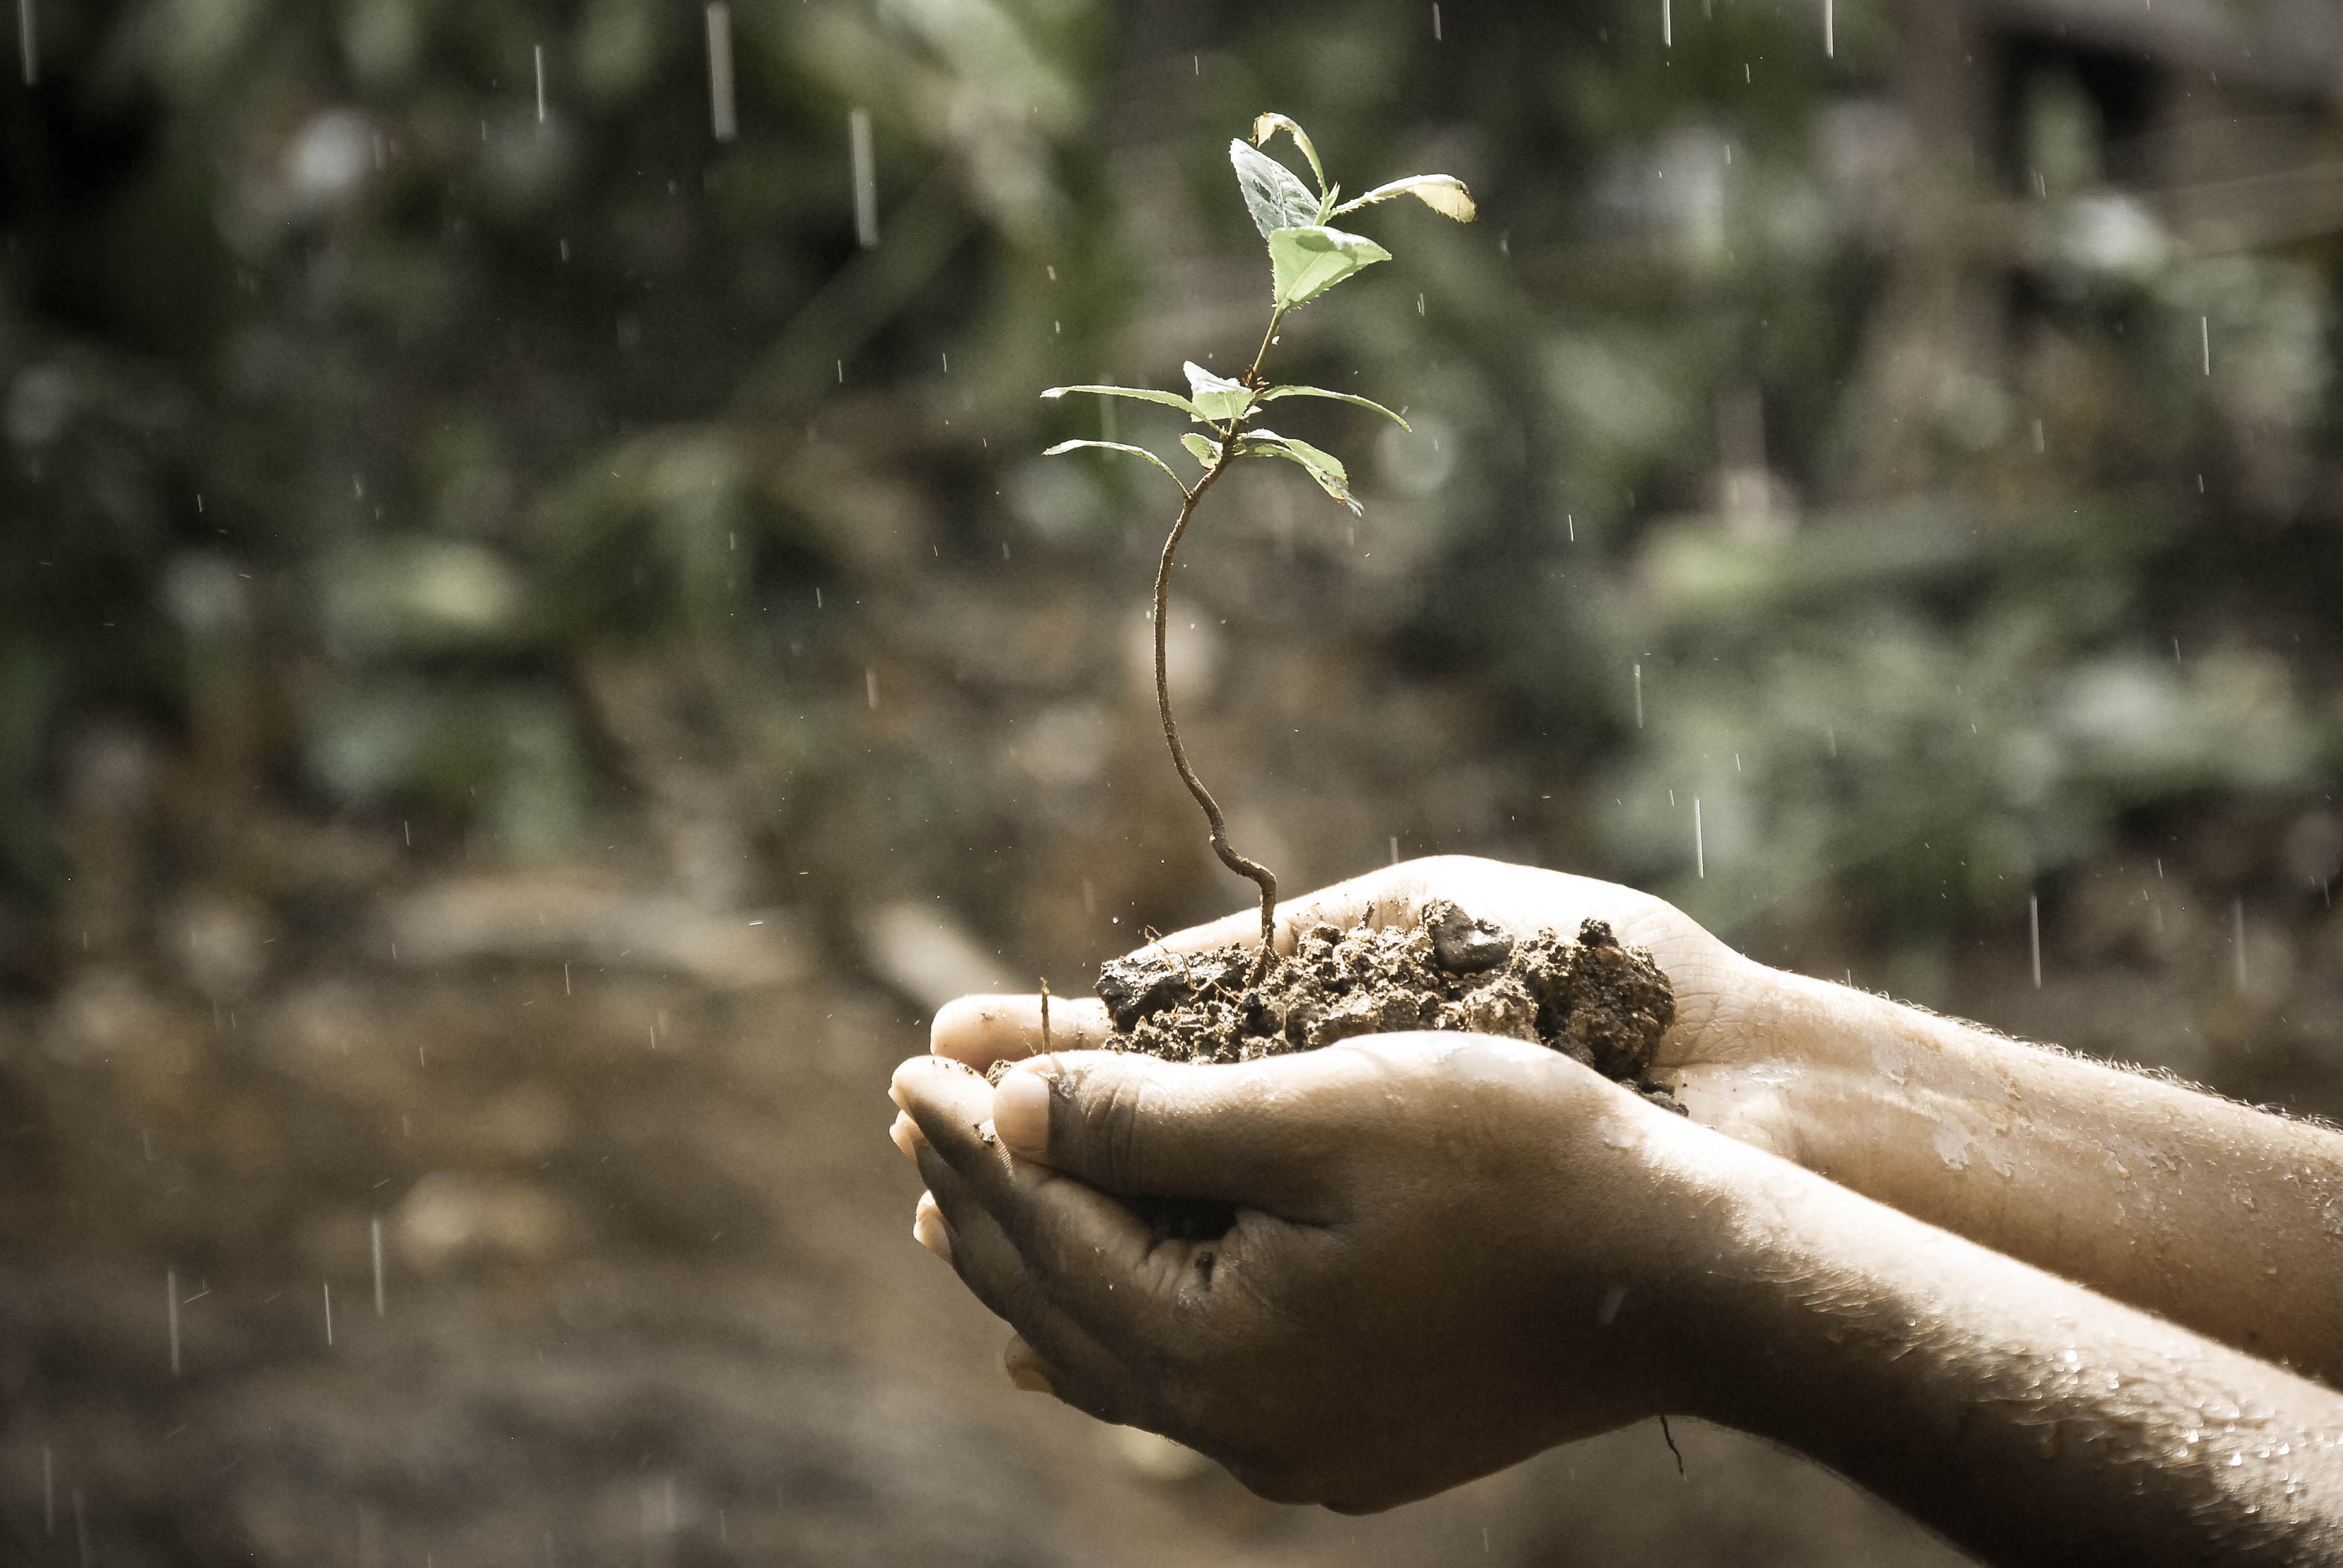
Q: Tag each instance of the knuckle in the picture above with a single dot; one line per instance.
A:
(1116, 1121)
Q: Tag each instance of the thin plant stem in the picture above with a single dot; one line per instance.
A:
(1260, 874)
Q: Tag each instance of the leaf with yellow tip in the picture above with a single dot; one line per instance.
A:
(1443, 194)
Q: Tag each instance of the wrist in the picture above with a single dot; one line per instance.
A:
(1633, 1242)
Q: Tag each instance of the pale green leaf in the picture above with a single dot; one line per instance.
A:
(1144, 394)
(1117, 446)
(1306, 261)
(1274, 393)
(1267, 126)
(1216, 399)
(1443, 194)
(1323, 466)
(1203, 448)
(1274, 197)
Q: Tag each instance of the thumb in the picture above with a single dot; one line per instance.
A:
(1140, 1127)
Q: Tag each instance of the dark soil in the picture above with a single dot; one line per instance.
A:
(1592, 998)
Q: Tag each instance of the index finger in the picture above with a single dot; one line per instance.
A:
(978, 1030)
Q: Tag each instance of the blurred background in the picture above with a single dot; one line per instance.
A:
(537, 647)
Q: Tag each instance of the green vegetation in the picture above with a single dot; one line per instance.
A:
(1306, 258)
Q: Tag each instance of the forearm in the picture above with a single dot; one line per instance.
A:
(2027, 1419)
(2225, 1218)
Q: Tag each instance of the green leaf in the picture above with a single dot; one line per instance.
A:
(1273, 194)
(1306, 261)
(1274, 393)
(1323, 466)
(1267, 126)
(1203, 448)
(1443, 194)
(1118, 447)
(1144, 394)
(1216, 399)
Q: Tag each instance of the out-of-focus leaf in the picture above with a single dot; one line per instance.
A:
(1274, 393)
(1443, 194)
(1273, 195)
(1307, 261)
(1216, 399)
(1323, 466)
(1267, 126)
(1117, 446)
(1144, 394)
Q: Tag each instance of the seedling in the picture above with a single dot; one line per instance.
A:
(1306, 258)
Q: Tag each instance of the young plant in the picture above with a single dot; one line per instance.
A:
(1306, 258)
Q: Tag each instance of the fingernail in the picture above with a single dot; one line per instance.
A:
(1021, 1113)
(1028, 1375)
(928, 1226)
(906, 1134)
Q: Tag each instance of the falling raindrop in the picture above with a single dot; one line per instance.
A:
(866, 178)
(1667, 24)
(1435, 26)
(1699, 853)
(2038, 445)
(720, 118)
(871, 686)
(1639, 697)
(376, 1226)
(1830, 33)
(171, 1313)
(27, 41)
(2033, 934)
(329, 1313)
(2204, 340)
(539, 51)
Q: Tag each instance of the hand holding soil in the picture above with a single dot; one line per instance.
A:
(1708, 980)
(1449, 1251)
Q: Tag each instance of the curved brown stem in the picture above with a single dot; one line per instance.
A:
(1261, 874)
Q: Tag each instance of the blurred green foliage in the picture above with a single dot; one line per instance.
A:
(352, 407)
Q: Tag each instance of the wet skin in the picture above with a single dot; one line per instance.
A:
(1453, 1251)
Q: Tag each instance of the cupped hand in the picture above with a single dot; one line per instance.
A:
(1449, 1251)
(1715, 1055)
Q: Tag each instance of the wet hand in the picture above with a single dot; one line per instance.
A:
(1448, 1251)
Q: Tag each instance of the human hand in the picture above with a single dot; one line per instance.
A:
(1449, 1252)
(1714, 1055)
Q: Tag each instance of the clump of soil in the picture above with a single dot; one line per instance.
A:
(1592, 998)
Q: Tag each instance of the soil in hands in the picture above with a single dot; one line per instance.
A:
(1592, 998)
